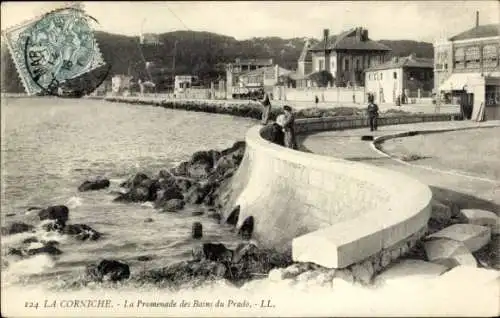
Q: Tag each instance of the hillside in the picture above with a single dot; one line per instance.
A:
(198, 53)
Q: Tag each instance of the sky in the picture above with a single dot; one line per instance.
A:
(412, 20)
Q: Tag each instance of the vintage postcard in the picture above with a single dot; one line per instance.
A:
(250, 159)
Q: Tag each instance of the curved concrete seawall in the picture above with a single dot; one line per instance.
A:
(332, 212)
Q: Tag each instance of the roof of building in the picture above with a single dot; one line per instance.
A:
(254, 61)
(482, 31)
(305, 55)
(401, 62)
(348, 40)
(262, 70)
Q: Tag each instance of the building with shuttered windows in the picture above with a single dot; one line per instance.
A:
(467, 65)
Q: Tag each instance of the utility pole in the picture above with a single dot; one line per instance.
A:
(173, 65)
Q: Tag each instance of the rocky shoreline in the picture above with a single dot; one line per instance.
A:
(452, 238)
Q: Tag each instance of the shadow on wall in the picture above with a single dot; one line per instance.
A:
(463, 201)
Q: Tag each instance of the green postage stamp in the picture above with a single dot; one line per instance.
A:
(52, 49)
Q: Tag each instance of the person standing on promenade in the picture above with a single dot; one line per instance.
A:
(372, 113)
(266, 104)
(288, 128)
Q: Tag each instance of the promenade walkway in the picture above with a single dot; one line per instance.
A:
(461, 187)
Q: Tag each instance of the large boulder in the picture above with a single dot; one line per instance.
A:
(81, 232)
(405, 270)
(197, 193)
(183, 183)
(482, 217)
(363, 272)
(165, 195)
(134, 181)
(217, 252)
(199, 170)
(137, 194)
(94, 184)
(45, 249)
(57, 212)
(15, 228)
(474, 237)
(449, 253)
(440, 212)
(108, 270)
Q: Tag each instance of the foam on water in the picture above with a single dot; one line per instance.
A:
(74, 202)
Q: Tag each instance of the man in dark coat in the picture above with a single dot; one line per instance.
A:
(372, 111)
(288, 128)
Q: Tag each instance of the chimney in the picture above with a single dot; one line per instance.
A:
(477, 19)
(326, 35)
(364, 35)
(358, 34)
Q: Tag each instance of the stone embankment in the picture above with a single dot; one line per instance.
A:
(338, 117)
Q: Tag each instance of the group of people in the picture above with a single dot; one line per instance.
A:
(284, 132)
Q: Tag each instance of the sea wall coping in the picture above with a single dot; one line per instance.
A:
(342, 244)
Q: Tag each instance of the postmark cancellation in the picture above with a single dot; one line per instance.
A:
(52, 49)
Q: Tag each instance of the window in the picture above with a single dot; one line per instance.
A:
(472, 57)
(346, 64)
(321, 65)
(395, 75)
(490, 56)
(381, 76)
(358, 62)
(459, 58)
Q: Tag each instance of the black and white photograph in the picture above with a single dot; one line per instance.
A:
(250, 159)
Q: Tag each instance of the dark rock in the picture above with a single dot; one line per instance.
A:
(180, 169)
(187, 271)
(134, 181)
(367, 138)
(31, 208)
(174, 205)
(217, 252)
(30, 240)
(47, 249)
(109, 270)
(144, 258)
(15, 252)
(54, 226)
(96, 184)
(15, 228)
(197, 230)
(199, 170)
(205, 157)
(58, 212)
(148, 220)
(198, 192)
(10, 214)
(183, 184)
(139, 194)
(164, 195)
(51, 243)
(197, 213)
(82, 232)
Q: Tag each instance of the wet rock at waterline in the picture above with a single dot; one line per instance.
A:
(197, 230)
(134, 181)
(165, 195)
(108, 270)
(15, 228)
(57, 212)
(94, 184)
(81, 232)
